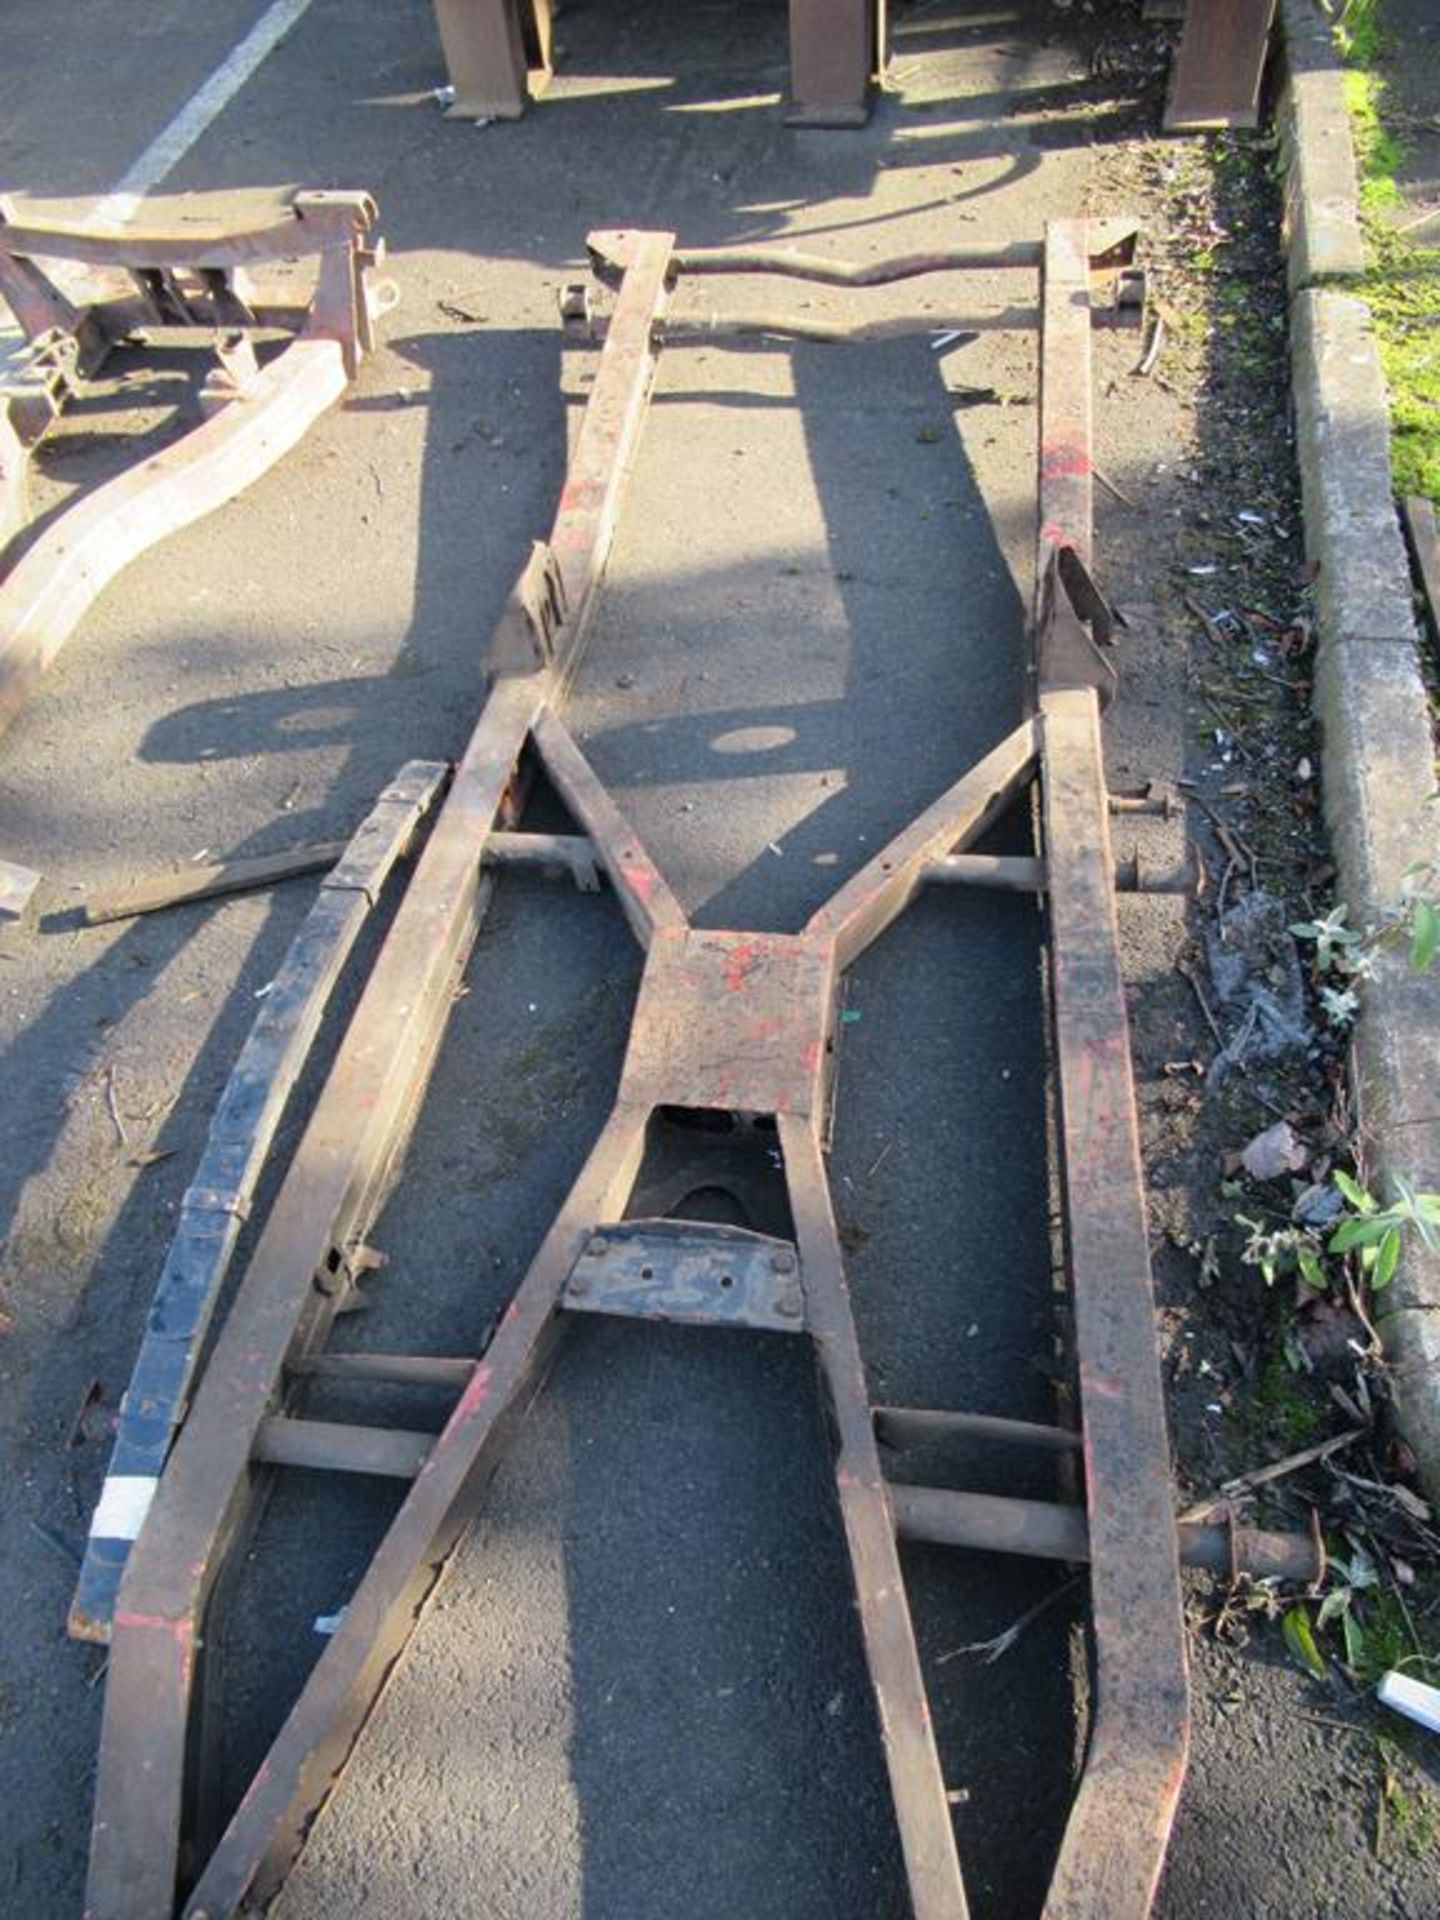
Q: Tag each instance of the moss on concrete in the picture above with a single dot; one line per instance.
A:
(1402, 284)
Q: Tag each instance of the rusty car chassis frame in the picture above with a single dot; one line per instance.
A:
(736, 1023)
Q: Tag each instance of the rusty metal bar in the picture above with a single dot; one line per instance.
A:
(1019, 873)
(200, 238)
(497, 54)
(1046, 1530)
(718, 329)
(1006, 872)
(1111, 239)
(1115, 1840)
(256, 1849)
(209, 882)
(837, 50)
(574, 852)
(922, 1808)
(14, 478)
(335, 1183)
(48, 592)
(254, 421)
(333, 1446)
(399, 1369)
(648, 903)
(901, 1427)
(785, 264)
(880, 892)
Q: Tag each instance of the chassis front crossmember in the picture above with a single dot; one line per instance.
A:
(78, 291)
(738, 1027)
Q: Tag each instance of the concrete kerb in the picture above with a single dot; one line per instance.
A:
(1322, 219)
(1378, 753)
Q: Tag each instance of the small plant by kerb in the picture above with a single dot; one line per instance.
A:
(1341, 953)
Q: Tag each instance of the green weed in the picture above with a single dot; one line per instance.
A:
(1400, 286)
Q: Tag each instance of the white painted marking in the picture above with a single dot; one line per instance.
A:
(1412, 1698)
(123, 1504)
(172, 143)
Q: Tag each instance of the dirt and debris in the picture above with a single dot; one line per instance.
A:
(1278, 1393)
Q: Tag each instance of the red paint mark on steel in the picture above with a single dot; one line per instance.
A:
(182, 1631)
(1065, 460)
(1103, 1389)
(581, 494)
(741, 961)
(475, 1394)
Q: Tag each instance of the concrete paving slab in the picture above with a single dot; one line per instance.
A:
(1342, 417)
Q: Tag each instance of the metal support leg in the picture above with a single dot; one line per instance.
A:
(497, 54)
(1219, 64)
(837, 47)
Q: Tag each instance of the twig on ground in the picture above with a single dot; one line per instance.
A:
(1146, 362)
(1277, 1470)
(1235, 847)
(1207, 621)
(1110, 487)
(1187, 972)
(1227, 725)
(995, 1649)
(1224, 887)
(114, 1106)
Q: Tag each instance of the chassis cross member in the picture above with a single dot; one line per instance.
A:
(183, 270)
(735, 1030)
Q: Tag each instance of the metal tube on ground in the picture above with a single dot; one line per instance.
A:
(1047, 1530)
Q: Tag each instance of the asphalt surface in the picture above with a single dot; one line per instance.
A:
(640, 1690)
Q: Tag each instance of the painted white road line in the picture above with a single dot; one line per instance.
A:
(206, 104)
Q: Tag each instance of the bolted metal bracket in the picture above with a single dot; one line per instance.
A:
(1131, 292)
(1150, 798)
(576, 301)
(687, 1270)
